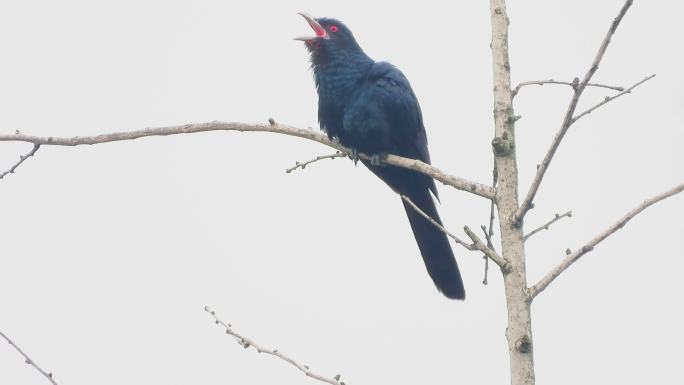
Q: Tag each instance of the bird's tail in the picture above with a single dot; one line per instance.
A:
(434, 244)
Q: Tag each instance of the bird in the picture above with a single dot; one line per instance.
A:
(370, 107)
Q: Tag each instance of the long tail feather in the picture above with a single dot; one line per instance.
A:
(433, 244)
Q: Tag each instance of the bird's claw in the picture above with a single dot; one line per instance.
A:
(354, 155)
(376, 160)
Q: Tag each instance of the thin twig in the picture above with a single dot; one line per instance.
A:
(490, 233)
(488, 236)
(437, 224)
(611, 98)
(551, 81)
(495, 177)
(478, 245)
(546, 225)
(303, 165)
(22, 158)
(28, 360)
(246, 343)
(568, 119)
(572, 257)
(273, 127)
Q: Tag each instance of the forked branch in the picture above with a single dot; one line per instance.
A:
(489, 252)
(477, 245)
(569, 114)
(392, 160)
(589, 246)
(611, 98)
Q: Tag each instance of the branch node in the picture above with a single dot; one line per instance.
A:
(524, 344)
(575, 83)
(487, 251)
(501, 146)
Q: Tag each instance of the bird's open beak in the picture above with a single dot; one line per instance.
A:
(318, 29)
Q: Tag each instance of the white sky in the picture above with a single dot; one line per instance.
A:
(109, 253)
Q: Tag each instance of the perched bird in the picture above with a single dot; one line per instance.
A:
(370, 107)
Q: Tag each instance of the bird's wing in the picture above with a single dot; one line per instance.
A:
(385, 117)
(395, 99)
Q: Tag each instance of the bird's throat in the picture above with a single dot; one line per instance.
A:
(337, 78)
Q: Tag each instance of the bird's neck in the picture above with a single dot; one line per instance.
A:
(336, 77)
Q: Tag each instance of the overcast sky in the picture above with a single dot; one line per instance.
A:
(109, 253)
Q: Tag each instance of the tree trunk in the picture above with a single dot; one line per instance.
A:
(519, 331)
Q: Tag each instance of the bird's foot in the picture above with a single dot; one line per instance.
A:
(354, 155)
(378, 159)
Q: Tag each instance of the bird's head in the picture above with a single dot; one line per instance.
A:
(332, 39)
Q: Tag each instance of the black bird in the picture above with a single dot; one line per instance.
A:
(370, 107)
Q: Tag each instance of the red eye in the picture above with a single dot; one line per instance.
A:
(333, 28)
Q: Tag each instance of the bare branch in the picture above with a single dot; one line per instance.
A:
(478, 245)
(572, 257)
(551, 81)
(28, 360)
(393, 160)
(546, 225)
(611, 98)
(297, 165)
(444, 230)
(568, 119)
(247, 343)
(22, 158)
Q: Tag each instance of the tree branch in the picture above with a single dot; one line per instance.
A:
(22, 158)
(444, 230)
(28, 359)
(568, 119)
(478, 245)
(551, 81)
(246, 343)
(546, 225)
(303, 165)
(392, 160)
(611, 98)
(574, 256)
